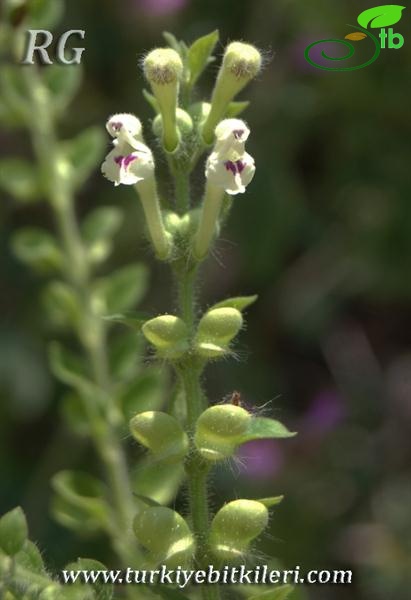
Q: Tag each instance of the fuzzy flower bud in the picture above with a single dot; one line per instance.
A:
(241, 63)
(163, 69)
(168, 334)
(166, 536)
(161, 434)
(216, 330)
(218, 430)
(234, 527)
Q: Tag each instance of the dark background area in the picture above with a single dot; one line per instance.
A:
(322, 235)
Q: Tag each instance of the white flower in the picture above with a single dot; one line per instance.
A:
(125, 128)
(128, 164)
(232, 175)
(229, 166)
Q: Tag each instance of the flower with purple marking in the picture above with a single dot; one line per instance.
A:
(125, 127)
(127, 164)
(231, 135)
(130, 161)
(229, 166)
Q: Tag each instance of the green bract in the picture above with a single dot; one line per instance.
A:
(166, 536)
(216, 330)
(218, 429)
(161, 433)
(234, 527)
(168, 334)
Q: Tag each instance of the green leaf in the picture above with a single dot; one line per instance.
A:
(278, 593)
(30, 558)
(45, 14)
(38, 249)
(123, 289)
(79, 499)
(63, 84)
(62, 305)
(67, 367)
(261, 428)
(98, 229)
(104, 591)
(102, 223)
(172, 41)
(199, 54)
(13, 531)
(270, 502)
(169, 593)
(124, 354)
(134, 320)
(239, 302)
(145, 392)
(381, 16)
(74, 414)
(20, 179)
(158, 481)
(152, 100)
(14, 95)
(83, 153)
(236, 108)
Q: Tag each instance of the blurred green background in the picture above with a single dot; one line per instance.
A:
(322, 235)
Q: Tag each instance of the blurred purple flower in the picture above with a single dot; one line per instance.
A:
(261, 459)
(324, 414)
(159, 7)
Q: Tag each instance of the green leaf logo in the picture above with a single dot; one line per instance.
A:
(381, 16)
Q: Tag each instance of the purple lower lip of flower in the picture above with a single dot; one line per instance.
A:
(235, 167)
(124, 161)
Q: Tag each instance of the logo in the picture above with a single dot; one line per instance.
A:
(380, 17)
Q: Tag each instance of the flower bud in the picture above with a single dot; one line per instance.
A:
(168, 334)
(163, 66)
(234, 527)
(163, 69)
(184, 123)
(216, 330)
(161, 433)
(218, 429)
(241, 63)
(166, 536)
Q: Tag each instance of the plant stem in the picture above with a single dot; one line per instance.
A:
(93, 339)
(196, 468)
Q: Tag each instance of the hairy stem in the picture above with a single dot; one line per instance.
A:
(196, 468)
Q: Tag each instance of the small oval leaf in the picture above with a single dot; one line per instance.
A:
(357, 36)
(381, 16)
